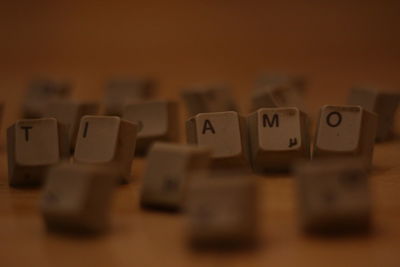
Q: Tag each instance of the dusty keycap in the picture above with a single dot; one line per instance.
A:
(77, 198)
(39, 93)
(208, 98)
(33, 146)
(333, 195)
(278, 137)
(383, 103)
(107, 140)
(159, 121)
(69, 113)
(224, 132)
(169, 169)
(222, 211)
(345, 131)
(277, 95)
(123, 91)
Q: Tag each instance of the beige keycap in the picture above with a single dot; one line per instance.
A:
(159, 120)
(69, 113)
(224, 132)
(383, 103)
(77, 198)
(278, 137)
(208, 98)
(333, 195)
(123, 91)
(39, 93)
(107, 140)
(277, 95)
(298, 81)
(222, 211)
(345, 131)
(169, 169)
(33, 146)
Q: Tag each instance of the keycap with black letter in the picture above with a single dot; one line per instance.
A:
(123, 91)
(33, 146)
(224, 132)
(208, 98)
(345, 131)
(222, 211)
(77, 198)
(159, 121)
(333, 195)
(170, 168)
(107, 140)
(69, 113)
(278, 137)
(383, 103)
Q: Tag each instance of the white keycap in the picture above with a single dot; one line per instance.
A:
(169, 169)
(278, 137)
(107, 140)
(159, 121)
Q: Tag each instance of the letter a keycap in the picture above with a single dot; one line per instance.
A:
(224, 133)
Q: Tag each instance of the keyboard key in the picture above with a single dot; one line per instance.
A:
(384, 104)
(169, 169)
(297, 81)
(278, 137)
(33, 146)
(69, 113)
(224, 133)
(159, 121)
(77, 198)
(107, 140)
(333, 195)
(222, 211)
(345, 131)
(39, 93)
(277, 95)
(212, 98)
(123, 91)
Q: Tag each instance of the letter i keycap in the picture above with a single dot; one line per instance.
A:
(33, 146)
(345, 131)
(278, 137)
(224, 133)
(107, 140)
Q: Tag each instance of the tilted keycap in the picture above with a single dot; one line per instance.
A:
(278, 137)
(123, 91)
(222, 210)
(107, 140)
(40, 93)
(224, 132)
(33, 146)
(383, 103)
(69, 113)
(277, 95)
(208, 98)
(159, 121)
(170, 168)
(333, 195)
(77, 198)
(345, 131)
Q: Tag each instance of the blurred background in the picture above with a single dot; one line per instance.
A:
(336, 44)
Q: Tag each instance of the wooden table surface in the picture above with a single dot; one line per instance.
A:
(335, 44)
